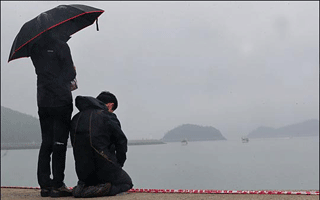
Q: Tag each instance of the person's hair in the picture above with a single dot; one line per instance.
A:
(108, 97)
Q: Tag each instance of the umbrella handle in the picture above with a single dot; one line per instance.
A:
(97, 24)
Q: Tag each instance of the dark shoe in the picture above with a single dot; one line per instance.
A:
(45, 192)
(103, 189)
(77, 190)
(96, 191)
(62, 191)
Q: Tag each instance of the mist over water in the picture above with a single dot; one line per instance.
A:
(261, 164)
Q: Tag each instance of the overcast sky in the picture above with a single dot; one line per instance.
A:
(231, 65)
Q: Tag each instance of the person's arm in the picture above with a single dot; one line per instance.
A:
(68, 68)
(121, 142)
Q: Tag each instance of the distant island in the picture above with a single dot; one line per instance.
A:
(302, 129)
(192, 132)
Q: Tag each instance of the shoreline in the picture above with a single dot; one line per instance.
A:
(37, 145)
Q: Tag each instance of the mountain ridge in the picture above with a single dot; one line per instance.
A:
(17, 127)
(193, 132)
(300, 129)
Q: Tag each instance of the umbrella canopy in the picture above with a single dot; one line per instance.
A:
(61, 20)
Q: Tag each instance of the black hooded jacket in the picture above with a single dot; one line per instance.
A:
(54, 67)
(95, 129)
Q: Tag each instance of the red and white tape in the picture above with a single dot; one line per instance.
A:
(134, 190)
(224, 191)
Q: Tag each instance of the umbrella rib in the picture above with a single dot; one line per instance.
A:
(53, 27)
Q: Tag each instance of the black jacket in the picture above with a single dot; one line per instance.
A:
(55, 69)
(94, 128)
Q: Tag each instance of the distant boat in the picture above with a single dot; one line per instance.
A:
(184, 141)
(245, 139)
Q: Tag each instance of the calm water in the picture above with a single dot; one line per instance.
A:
(269, 164)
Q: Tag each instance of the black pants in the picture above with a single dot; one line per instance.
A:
(122, 183)
(55, 127)
(92, 169)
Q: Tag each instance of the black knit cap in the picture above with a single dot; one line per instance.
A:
(108, 97)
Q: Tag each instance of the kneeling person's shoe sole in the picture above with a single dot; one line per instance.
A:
(104, 189)
(94, 191)
(62, 191)
(76, 191)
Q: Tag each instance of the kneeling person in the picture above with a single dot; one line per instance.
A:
(99, 147)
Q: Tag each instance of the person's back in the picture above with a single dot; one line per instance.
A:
(55, 70)
(99, 148)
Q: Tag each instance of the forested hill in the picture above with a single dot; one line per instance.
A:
(17, 127)
(302, 129)
(193, 133)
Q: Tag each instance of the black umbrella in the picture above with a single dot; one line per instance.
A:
(63, 19)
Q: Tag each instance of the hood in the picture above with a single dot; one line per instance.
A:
(86, 102)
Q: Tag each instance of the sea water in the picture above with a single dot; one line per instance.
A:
(261, 164)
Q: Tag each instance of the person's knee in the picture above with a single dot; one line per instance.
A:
(59, 146)
(126, 187)
(57, 143)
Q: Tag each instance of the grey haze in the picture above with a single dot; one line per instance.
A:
(234, 66)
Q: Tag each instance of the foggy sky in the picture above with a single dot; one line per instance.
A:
(231, 65)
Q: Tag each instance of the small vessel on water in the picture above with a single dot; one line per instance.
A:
(245, 139)
(184, 141)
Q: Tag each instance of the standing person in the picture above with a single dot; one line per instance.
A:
(99, 147)
(55, 70)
